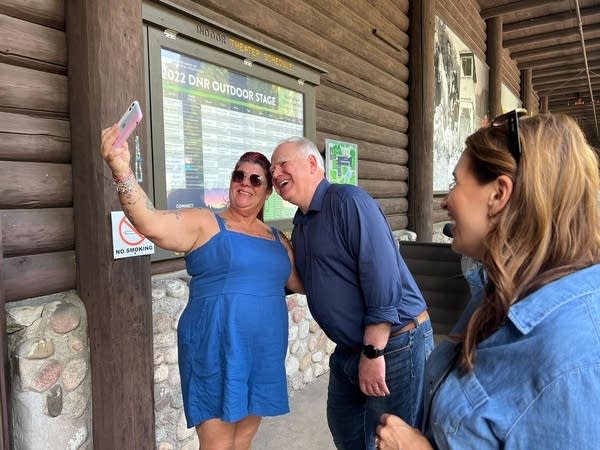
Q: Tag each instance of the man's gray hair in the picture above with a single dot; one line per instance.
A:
(306, 147)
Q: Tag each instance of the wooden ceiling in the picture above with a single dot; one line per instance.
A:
(545, 35)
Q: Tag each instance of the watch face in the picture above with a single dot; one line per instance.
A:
(371, 351)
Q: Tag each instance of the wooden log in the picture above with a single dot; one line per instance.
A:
(106, 61)
(439, 215)
(398, 221)
(494, 60)
(27, 138)
(384, 189)
(50, 13)
(370, 170)
(40, 148)
(368, 150)
(394, 11)
(343, 36)
(328, 122)
(31, 89)
(393, 205)
(511, 75)
(37, 43)
(30, 231)
(527, 89)
(374, 15)
(421, 117)
(5, 397)
(373, 94)
(351, 106)
(35, 185)
(167, 266)
(396, 39)
(35, 275)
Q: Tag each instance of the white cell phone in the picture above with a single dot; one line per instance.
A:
(128, 122)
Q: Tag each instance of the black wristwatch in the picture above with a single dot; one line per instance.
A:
(372, 352)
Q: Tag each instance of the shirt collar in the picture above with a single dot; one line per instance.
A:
(316, 203)
(534, 308)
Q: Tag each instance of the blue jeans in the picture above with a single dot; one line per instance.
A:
(353, 416)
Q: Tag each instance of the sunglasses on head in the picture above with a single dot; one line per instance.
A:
(238, 176)
(511, 121)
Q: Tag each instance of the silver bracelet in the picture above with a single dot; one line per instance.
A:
(125, 185)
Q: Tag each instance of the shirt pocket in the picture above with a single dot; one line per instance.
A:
(456, 399)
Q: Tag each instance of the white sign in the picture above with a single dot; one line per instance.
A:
(127, 241)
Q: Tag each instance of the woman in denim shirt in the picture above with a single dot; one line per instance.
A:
(522, 367)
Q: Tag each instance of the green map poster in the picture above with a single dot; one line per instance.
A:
(341, 162)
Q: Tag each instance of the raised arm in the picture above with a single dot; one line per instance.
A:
(179, 230)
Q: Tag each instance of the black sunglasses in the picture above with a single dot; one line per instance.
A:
(511, 121)
(238, 176)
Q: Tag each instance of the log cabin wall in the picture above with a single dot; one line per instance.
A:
(363, 96)
(511, 75)
(36, 205)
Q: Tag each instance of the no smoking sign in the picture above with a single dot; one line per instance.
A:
(127, 241)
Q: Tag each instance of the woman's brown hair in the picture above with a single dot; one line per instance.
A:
(550, 226)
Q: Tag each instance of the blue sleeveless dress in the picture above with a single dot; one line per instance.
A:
(233, 333)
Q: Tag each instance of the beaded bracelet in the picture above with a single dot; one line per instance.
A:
(125, 184)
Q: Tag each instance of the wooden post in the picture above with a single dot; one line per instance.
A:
(494, 61)
(6, 441)
(527, 89)
(420, 117)
(105, 48)
(544, 104)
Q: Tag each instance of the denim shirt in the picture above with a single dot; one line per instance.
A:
(536, 381)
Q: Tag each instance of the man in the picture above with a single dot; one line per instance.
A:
(361, 294)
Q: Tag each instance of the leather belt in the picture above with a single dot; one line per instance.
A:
(412, 325)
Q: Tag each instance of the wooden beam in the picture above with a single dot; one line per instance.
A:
(420, 147)
(494, 61)
(554, 50)
(551, 19)
(5, 399)
(567, 87)
(105, 45)
(549, 76)
(556, 62)
(527, 91)
(514, 7)
(544, 104)
(542, 39)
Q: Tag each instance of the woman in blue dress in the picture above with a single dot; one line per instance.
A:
(232, 335)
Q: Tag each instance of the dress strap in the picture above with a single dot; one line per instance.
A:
(221, 222)
(276, 234)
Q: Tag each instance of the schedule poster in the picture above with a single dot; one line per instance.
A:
(212, 115)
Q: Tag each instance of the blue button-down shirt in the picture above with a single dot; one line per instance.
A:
(352, 271)
(536, 382)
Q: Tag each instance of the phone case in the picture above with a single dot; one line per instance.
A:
(128, 122)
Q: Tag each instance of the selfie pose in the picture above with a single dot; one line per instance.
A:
(522, 367)
(232, 335)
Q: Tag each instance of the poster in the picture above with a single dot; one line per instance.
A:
(341, 162)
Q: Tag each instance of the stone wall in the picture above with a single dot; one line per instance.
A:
(51, 387)
(50, 376)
